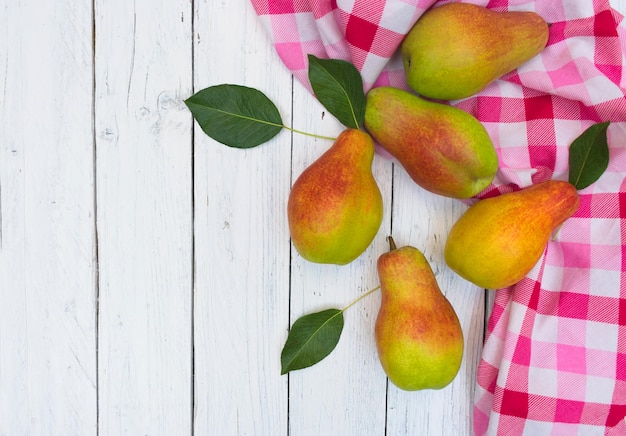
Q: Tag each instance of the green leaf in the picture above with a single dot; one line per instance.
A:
(589, 156)
(311, 338)
(235, 115)
(338, 85)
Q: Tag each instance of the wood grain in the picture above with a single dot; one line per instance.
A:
(48, 380)
(345, 393)
(422, 219)
(241, 308)
(143, 71)
(147, 280)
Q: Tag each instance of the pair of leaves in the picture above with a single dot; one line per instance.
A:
(243, 117)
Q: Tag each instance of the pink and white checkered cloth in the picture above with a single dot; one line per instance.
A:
(554, 360)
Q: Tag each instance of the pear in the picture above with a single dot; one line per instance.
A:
(498, 240)
(335, 207)
(455, 50)
(418, 335)
(443, 149)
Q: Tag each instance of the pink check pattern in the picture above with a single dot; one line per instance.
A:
(554, 359)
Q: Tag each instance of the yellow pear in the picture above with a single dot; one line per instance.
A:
(498, 240)
(335, 207)
(455, 50)
(418, 335)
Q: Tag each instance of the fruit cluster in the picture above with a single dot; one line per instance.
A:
(335, 206)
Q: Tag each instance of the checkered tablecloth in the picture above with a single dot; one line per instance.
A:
(554, 360)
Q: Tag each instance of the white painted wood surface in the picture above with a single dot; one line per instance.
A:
(143, 69)
(147, 282)
(48, 269)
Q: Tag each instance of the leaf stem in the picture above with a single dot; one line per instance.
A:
(371, 291)
(330, 138)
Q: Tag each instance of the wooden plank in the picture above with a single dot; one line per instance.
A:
(423, 219)
(345, 393)
(47, 243)
(241, 238)
(144, 191)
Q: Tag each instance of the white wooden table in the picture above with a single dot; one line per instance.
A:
(147, 282)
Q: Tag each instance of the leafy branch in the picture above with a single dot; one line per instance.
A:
(314, 336)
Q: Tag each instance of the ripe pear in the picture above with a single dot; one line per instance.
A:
(335, 207)
(443, 149)
(418, 335)
(498, 240)
(455, 50)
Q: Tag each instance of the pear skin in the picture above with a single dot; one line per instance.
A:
(418, 334)
(498, 240)
(455, 50)
(335, 207)
(443, 149)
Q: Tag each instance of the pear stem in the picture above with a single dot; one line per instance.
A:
(291, 129)
(392, 243)
(555, 234)
(371, 291)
